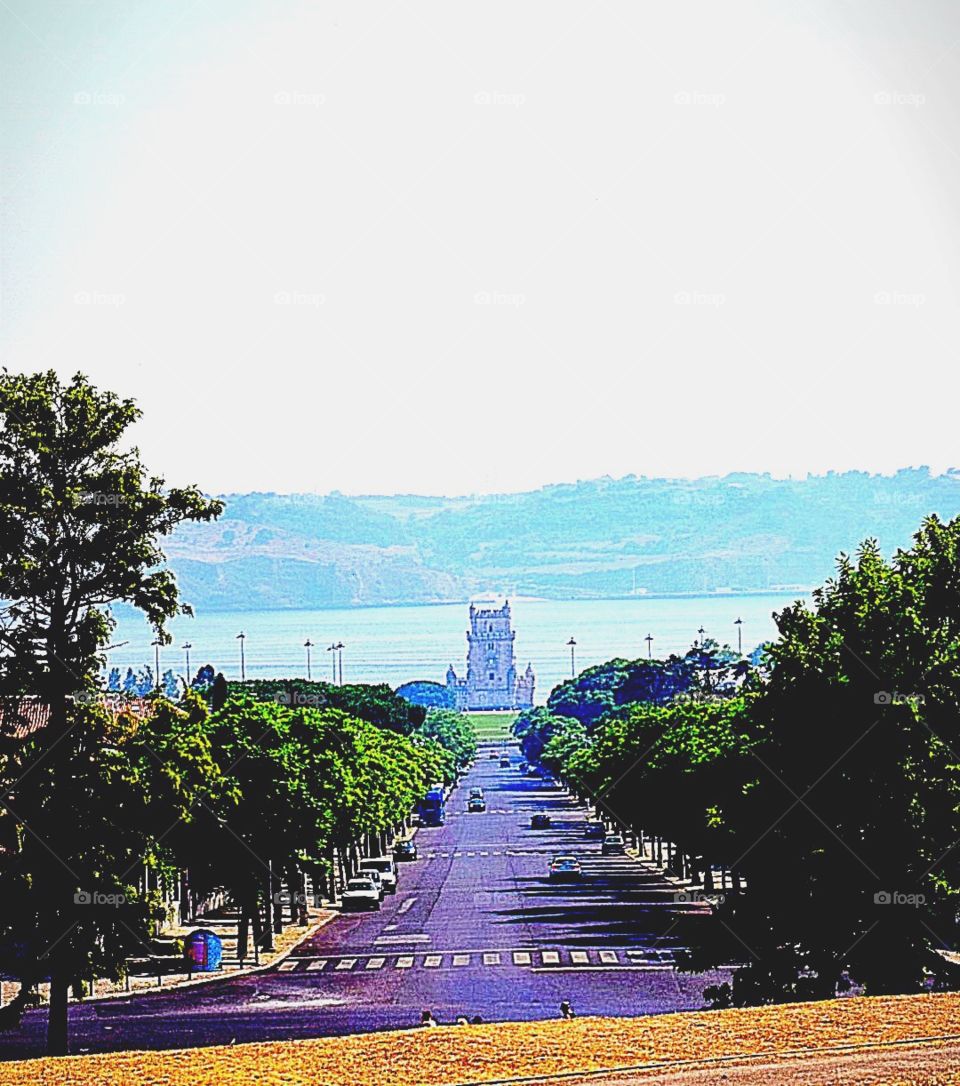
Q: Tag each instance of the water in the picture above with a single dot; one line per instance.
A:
(397, 644)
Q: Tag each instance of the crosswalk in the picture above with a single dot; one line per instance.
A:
(566, 959)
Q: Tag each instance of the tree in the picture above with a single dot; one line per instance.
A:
(80, 521)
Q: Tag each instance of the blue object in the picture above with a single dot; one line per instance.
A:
(204, 949)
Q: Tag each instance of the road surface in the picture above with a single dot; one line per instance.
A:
(475, 928)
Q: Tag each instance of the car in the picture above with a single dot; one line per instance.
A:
(404, 851)
(361, 893)
(533, 771)
(540, 822)
(523, 767)
(476, 793)
(493, 755)
(374, 877)
(614, 845)
(476, 805)
(564, 868)
(505, 761)
(595, 830)
(385, 868)
(550, 781)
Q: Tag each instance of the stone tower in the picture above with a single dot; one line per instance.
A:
(491, 681)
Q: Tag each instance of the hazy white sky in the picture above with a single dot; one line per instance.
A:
(431, 246)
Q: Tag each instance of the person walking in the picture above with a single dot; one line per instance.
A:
(566, 1011)
(427, 1019)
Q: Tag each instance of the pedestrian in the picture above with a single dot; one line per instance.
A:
(476, 1020)
(566, 1011)
(427, 1019)
(462, 1020)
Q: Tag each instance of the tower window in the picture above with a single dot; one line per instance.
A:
(492, 676)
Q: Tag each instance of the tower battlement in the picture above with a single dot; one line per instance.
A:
(492, 681)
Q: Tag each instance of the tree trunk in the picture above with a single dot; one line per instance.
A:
(57, 1021)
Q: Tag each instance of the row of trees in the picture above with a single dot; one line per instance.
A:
(829, 783)
(246, 788)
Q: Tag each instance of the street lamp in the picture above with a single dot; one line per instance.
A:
(332, 649)
(308, 645)
(241, 637)
(573, 669)
(156, 645)
(340, 660)
(186, 648)
(649, 641)
(739, 626)
(701, 632)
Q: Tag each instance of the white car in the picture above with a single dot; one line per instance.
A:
(385, 868)
(361, 893)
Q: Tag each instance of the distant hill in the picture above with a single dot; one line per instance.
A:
(603, 537)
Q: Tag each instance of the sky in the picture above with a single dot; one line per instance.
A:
(446, 248)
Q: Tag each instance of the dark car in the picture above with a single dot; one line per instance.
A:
(405, 850)
(540, 822)
(475, 806)
(595, 830)
(523, 767)
(550, 781)
(614, 845)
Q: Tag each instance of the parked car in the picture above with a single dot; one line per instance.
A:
(523, 767)
(540, 822)
(565, 868)
(476, 805)
(361, 893)
(385, 868)
(614, 845)
(404, 851)
(476, 793)
(374, 877)
(504, 761)
(595, 830)
(550, 781)
(493, 755)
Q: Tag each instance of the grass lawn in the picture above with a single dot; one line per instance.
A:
(492, 726)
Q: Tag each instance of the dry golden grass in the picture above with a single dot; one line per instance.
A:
(466, 1054)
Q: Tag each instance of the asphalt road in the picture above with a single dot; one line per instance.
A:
(475, 928)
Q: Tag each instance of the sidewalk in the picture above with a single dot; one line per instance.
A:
(223, 923)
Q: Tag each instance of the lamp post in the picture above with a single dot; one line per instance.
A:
(701, 632)
(573, 668)
(308, 645)
(739, 626)
(241, 637)
(156, 648)
(332, 649)
(649, 641)
(186, 648)
(340, 661)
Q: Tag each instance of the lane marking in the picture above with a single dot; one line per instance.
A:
(431, 961)
(406, 905)
(405, 962)
(346, 963)
(551, 957)
(287, 965)
(376, 963)
(402, 939)
(608, 957)
(317, 965)
(461, 959)
(521, 957)
(579, 957)
(491, 958)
